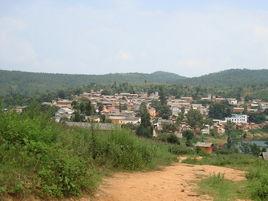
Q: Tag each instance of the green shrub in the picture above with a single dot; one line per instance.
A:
(258, 182)
(123, 150)
(257, 174)
(221, 189)
(32, 158)
(180, 150)
(233, 160)
(40, 157)
(168, 138)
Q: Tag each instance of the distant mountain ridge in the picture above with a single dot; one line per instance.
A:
(26, 82)
(231, 77)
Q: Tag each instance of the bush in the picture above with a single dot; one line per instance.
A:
(32, 158)
(130, 126)
(123, 150)
(220, 188)
(180, 150)
(40, 157)
(168, 138)
(257, 174)
(234, 160)
(258, 185)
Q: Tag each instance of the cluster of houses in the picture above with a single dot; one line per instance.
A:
(122, 109)
(119, 108)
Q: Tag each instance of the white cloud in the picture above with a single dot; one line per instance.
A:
(124, 56)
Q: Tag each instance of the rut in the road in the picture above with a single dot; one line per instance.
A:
(173, 183)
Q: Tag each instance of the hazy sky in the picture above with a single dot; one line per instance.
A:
(188, 37)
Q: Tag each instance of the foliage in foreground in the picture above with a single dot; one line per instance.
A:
(258, 182)
(220, 188)
(257, 174)
(40, 157)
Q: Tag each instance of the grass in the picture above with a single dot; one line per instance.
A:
(222, 189)
(235, 160)
(258, 134)
(42, 158)
(257, 174)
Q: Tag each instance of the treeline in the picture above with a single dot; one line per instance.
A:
(232, 77)
(27, 83)
(252, 82)
(250, 92)
(19, 88)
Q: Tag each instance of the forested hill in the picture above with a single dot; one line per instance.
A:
(232, 77)
(30, 83)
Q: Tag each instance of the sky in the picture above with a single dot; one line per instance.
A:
(190, 38)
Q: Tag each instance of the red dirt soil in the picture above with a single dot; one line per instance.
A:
(173, 183)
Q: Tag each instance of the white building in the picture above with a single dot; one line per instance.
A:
(232, 101)
(175, 111)
(63, 113)
(263, 105)
(206, 130)
(237, 119)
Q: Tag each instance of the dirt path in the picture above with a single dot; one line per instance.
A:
(173, 183)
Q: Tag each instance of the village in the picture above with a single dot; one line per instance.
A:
(123, 109)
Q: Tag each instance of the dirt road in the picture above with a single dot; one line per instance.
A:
(173, 183)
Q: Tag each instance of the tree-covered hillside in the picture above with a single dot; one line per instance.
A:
(251, 82)
(28, 83)
(232, 77)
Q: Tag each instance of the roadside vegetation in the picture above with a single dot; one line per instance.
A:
(40, 157)
(222, 189)
(257, 175)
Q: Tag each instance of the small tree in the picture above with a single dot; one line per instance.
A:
(61, 94)
(145, 129)
(194, 119)
(89, 110)
(173, 139)
(102, 118)
(231, 133)
(78, 117)
(75, 105)
(229, 127)
(213, 132)
(165, 112)
(219, 110)
(1, 107)
(189, 136)
(161, 106)
(162, 96)
(100, 107)
(180, 118)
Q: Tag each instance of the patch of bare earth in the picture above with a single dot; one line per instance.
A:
(173, 183)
